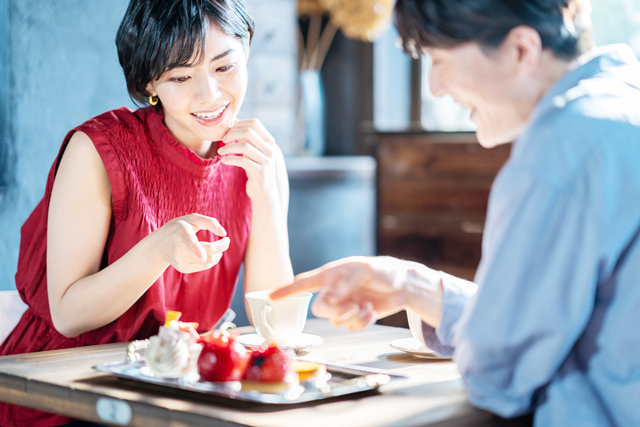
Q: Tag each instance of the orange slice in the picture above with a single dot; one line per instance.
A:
(172, 315)
(307, 370)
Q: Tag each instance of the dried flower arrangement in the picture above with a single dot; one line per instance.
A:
(357, 19)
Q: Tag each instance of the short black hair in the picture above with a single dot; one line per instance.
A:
(564, 25)
(158, 35)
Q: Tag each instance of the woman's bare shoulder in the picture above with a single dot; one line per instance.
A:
(81, 160)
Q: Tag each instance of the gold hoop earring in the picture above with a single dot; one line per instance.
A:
(153, 100)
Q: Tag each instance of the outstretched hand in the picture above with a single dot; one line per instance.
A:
(181, 248)
(355, 291)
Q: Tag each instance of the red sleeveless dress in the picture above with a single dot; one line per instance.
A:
(154, 179)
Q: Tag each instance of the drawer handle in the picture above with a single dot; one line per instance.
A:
(472, 227)
(390, 222)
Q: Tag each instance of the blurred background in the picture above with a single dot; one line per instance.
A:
(376, 164)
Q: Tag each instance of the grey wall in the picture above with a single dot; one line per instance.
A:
(59, 68)
(331, 213)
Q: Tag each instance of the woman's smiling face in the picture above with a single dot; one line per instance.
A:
(201, 102)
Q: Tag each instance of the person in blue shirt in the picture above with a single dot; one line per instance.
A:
(549, 325)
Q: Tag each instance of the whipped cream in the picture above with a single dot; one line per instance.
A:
(173, 352)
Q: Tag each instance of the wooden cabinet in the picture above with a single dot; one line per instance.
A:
(273, 73)
(432, 194)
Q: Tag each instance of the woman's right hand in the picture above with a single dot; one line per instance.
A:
(180, 247)
(85, 295)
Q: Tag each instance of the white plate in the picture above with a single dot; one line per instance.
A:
(416, 348)
(302, 341)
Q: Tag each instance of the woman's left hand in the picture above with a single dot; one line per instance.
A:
(250, 146)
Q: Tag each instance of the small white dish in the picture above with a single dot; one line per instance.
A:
(416, 348)
(301, 341)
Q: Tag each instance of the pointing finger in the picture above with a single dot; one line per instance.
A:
(303, 282)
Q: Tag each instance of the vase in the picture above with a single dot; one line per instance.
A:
(312, 113)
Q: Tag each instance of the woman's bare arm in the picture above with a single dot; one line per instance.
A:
(267, 262)
(81, 296)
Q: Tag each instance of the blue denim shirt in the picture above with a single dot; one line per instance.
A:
(553, 325)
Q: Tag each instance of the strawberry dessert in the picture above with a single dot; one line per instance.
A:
(270, 370)
(222, 357)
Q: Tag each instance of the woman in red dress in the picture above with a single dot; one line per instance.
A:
(155, 209)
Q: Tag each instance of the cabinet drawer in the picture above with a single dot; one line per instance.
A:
(276, 23)
(272, 80)
(433, 191)
(432, 240)
(439, 156)
(441, 195)
(280, 122)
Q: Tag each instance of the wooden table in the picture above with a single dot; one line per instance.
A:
(64, 382)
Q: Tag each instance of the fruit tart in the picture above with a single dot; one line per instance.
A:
(222, 357)
(174, 352)
(270, 370)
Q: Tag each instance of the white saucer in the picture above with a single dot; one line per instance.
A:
(416, 348)
(300, 342)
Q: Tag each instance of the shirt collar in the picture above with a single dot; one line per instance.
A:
(595, 61)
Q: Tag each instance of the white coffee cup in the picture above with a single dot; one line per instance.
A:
(415, 325)
(279, 321)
